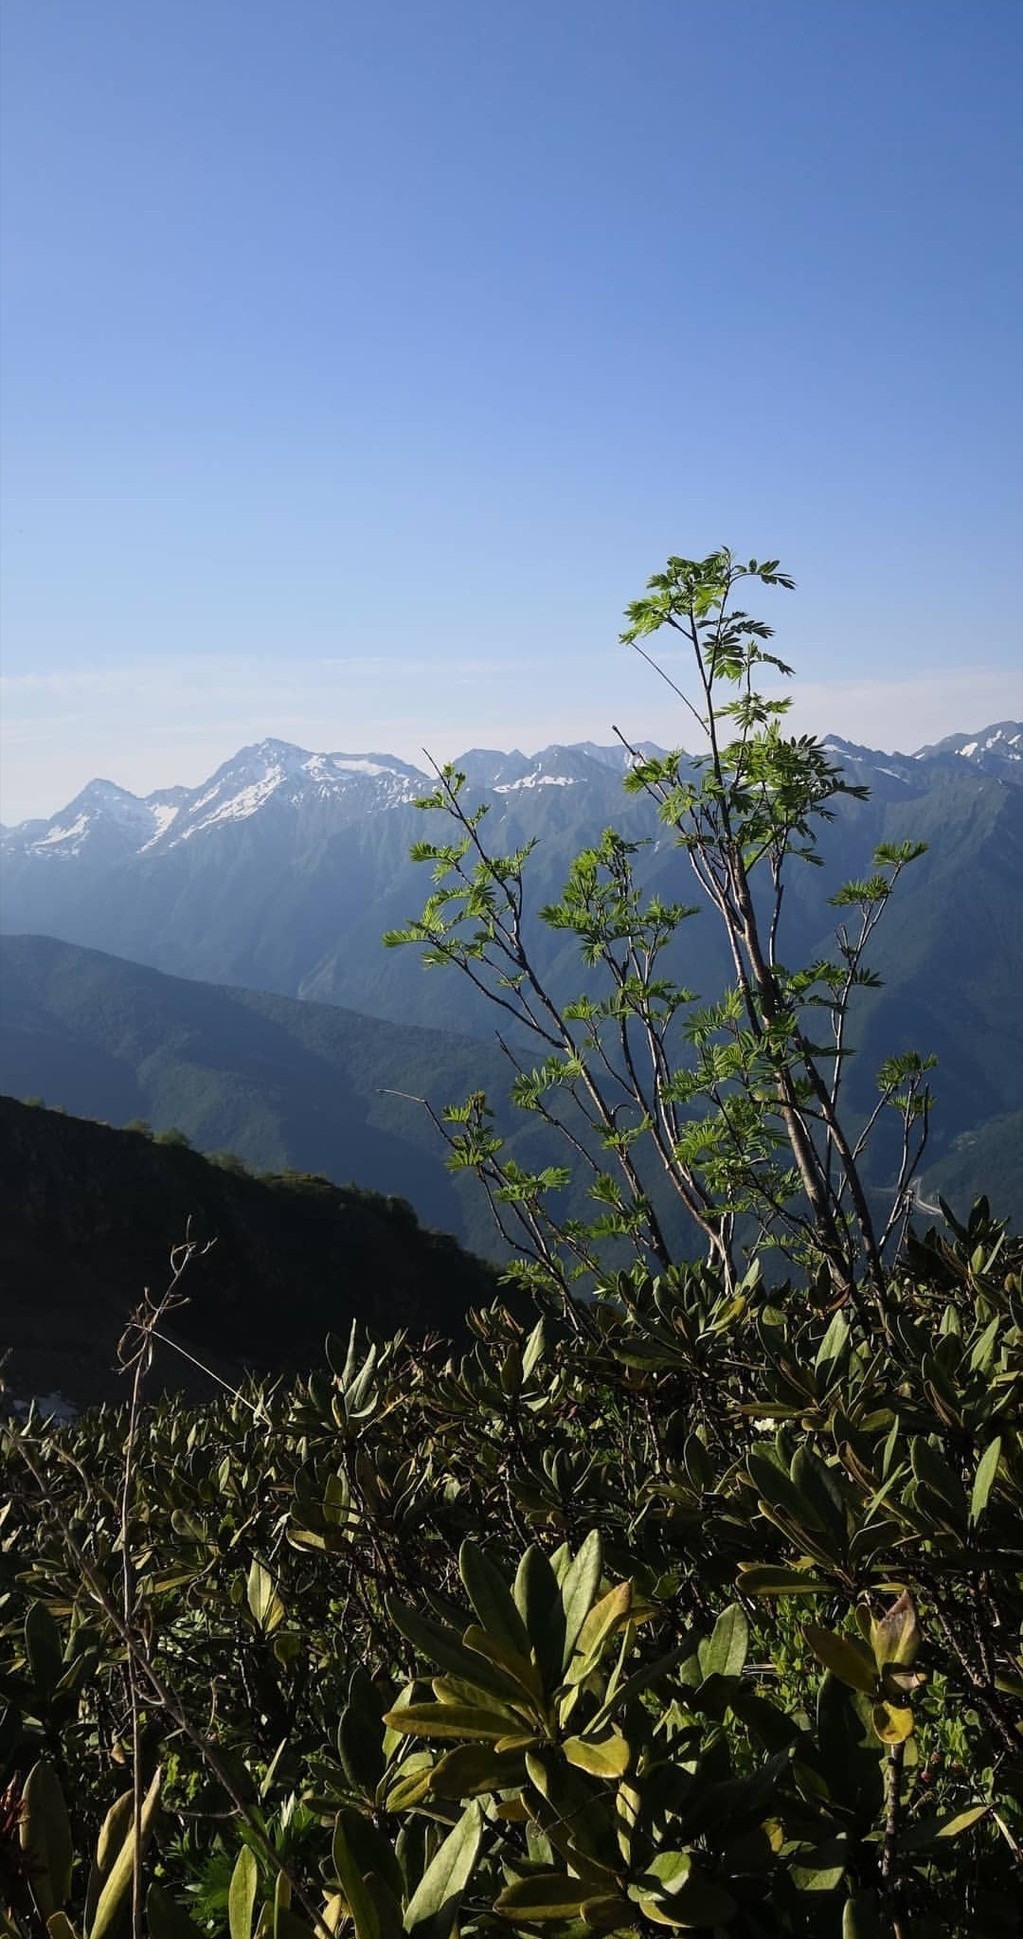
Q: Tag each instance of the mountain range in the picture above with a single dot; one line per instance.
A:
(280, 873)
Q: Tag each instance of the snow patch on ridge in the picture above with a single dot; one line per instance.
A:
(999, 739)
(322, 765)
(237, 807)
(537, 781)
(164, 812)
(72, 833)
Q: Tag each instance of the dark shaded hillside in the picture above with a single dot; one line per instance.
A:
(281, 1083)
(90, 1216)
(949, 950)
(987, 1160)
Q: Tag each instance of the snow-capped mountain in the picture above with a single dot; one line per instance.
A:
(282, 871)
(327, 792)
(103, 815)
(277, 779)
(995, 750)
(271, 774)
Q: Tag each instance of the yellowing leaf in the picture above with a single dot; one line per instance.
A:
(845, 1656)
(893, 1722)
(606, 1757)
(895, 1636)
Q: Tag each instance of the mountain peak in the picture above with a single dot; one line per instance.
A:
(327, 791)
(993, 748)
(270, 749)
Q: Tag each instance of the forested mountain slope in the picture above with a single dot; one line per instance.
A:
(91, 1215)
(278, 1082)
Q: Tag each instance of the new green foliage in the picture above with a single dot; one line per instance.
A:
(728, 1112)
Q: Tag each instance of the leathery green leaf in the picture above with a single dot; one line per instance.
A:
(671, 1869)
(165, 1919)
(640, 1680)
(925, 1832)
(987, 1468)
(360, 1733)
(474, 1769)
(411, 1785)
(724, 1653)
(112, 1834)
(45, 1837)
(359, 1898)
(492, 1599)
(370, 1851)
(845, 1656)
(441, 1887)
(43, 1648)
(263, 1599)
(764, 1579)
(118, 1882)
(951, 1827)
(548, 1895)
(821, 1869)
(241, 1897)
(605, 1913)
(604, 1618)
(443, 1646)
(523, 1674)
(538, 1601)
(699, 1901)
(447, 1720)
(579, 1586)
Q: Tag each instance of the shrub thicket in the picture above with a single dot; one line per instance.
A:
(777, 1688)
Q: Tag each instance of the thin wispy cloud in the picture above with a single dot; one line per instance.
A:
(153, 723)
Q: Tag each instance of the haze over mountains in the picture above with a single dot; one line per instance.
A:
(282, 871)
(284, 868)
(281, 1084)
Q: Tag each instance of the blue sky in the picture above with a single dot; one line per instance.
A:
(361, 361)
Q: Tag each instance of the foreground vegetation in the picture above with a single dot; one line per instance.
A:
(704, 1613)
(691, 1600)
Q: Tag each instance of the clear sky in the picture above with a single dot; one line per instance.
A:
(361, 360)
